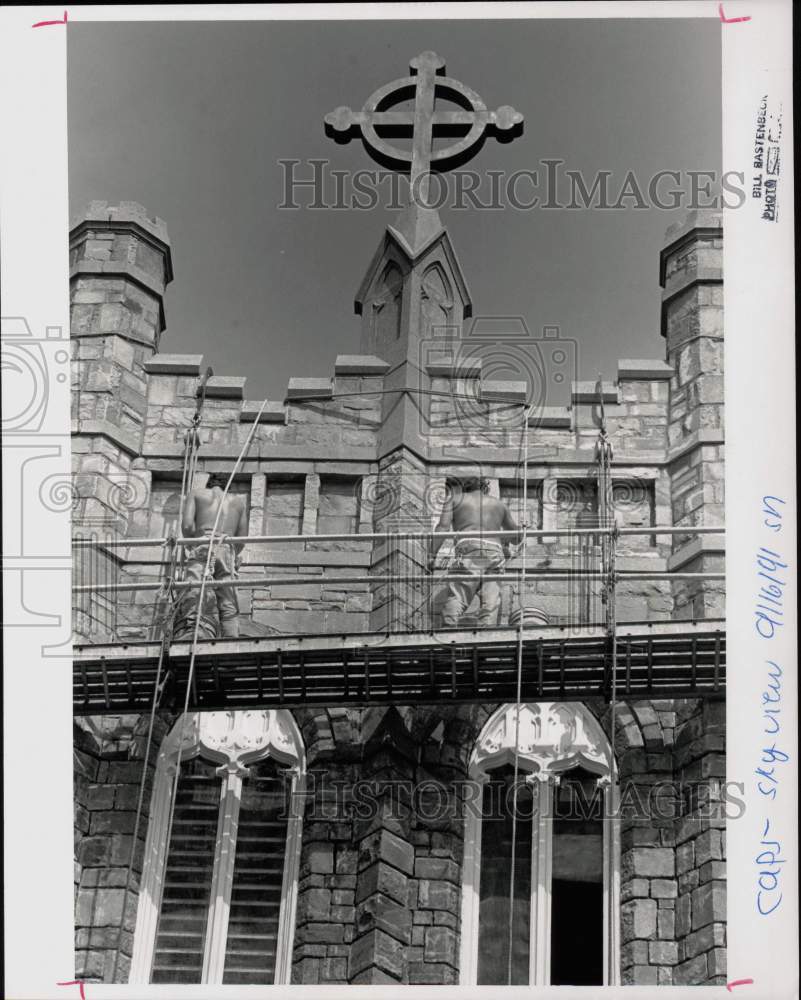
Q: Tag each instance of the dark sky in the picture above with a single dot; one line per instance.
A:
(191, 119)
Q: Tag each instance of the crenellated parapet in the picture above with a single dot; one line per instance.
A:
(363, 448)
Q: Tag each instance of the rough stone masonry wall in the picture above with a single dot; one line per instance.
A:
(701, 848)
(119, 267)
(672, 876)
(692, 323)
(108, 756)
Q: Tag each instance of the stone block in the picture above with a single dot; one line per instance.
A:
(274, 412)
(642, 975)
(432, 973)
(174, 364)
(685, 857)
(381, 912)
(648, 862)
(346, 862)
(441, 945)
(449, 364)
(437, 868)
(705, 939)
(635, 369)
(319, 934)
(683, 915)
(638, 919)
(438, 895)
(712, 870)
(708, 847)
(500, 390)
(663, 952)
(708, 903)
(635, 888)
(335, 970)
(692, 973)
(360, 364)
(314, 904)
(664, 888)
(162, 391)
(310, 388)
(666, 924)
(716, 962)
(587, 392)
(93, 851)
(320, 859)
(225, 387)
(99, 797)
(551, 416)
(634, 953)
(381, 877)
(387, 847)
(378, 949)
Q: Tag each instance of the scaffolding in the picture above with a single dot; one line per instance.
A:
(416, 664)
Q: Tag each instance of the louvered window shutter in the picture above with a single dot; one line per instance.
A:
(181, 933)
(258, 876)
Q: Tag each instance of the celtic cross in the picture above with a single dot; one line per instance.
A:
(472, 122)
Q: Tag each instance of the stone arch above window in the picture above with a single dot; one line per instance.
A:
(552, 738)
(563, 756)
(229, 782)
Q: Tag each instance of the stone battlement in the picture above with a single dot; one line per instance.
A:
(332, 456)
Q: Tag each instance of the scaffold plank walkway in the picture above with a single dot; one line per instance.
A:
(659, 660)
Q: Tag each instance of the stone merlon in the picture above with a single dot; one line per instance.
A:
(174, 364)
(274, 411)
(308, 388)
(587, 392)
(225, 387)
(360, 364)
(635, 369)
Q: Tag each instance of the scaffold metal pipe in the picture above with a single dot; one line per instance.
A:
(301, 581)
(396, 536)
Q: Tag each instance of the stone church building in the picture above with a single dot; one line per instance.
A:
(334, 805)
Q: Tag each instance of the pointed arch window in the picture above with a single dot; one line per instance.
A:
(218, 895)
(565, 908)
(387, 305)
(436, 303)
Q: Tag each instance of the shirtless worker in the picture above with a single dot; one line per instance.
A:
(200, 513)
(470, 511)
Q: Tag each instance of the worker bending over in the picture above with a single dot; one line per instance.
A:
(472, 512)
(200, 514)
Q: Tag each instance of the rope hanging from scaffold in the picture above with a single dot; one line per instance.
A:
(518, 692)
(201, 593)
(609, 534)
(189, 465)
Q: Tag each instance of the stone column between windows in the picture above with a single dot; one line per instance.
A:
(541, 865)
(222, 882)
(311, 504)
(258, 499)
(385, 859)
(549, 512)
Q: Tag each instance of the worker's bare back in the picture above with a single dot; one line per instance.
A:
(478, 512)
(207, 503)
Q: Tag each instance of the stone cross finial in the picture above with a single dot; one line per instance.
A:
(424, 122)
